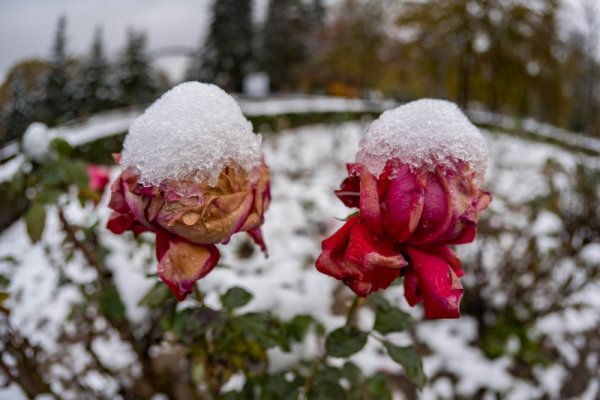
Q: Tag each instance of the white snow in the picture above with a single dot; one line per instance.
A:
(10, 168)
(424, 133)
(289, 104)
(36, 141)
(99, 126)
(192, 132)
(590, 254)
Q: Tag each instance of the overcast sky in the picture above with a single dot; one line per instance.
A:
(27, 27)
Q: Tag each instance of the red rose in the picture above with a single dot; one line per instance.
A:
(407, 220)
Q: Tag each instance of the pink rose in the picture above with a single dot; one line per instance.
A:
(98, 177)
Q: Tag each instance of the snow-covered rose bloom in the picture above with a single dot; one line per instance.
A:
(416, 185)
(194, 174)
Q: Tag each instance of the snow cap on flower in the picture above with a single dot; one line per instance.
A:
(191, 133)
(424, 133)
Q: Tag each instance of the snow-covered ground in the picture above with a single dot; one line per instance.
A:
(307, 165)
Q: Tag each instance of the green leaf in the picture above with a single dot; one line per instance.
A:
(298, 326)
(48, 196)
(192, 323)
(379, 301)
(62, 147)
(326, 391)
(236, 297)
(345, 341)
(352, 372)
(35, 219)
(392, 320)
(378, 388)
(410, 361)
(76, 173)
(110, 303)
(262, 328)
(354, 214)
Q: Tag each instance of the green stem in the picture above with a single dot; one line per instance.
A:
(356, 303)
(199, 295)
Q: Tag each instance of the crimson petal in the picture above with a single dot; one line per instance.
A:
(438, 284)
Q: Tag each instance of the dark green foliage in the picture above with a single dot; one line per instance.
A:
(388, 318)
(227, 55)
(378, 387)
(19, 113)
(235, 297)
(35, 220)
(55, 102)
(110, 303)
(410, 361)
(284, 43)
(393, 320)
(138, 82)
(93, 87)
(345, 341)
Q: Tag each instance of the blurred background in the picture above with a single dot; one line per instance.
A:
(66, 59)
(310, 75)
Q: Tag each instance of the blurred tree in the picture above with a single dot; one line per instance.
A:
(31, 71)
(318, 11)
(284, 48)
(486, 51)
(23, 79)
(444, 32)
(93, 88)
(586, 45)
(227, 53)
(54, 100)
(19, 113)
(137, 80)
(349, 46)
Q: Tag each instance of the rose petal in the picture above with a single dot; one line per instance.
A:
(257, 236)
(438, 284)
(371, 252)
(412, 293)
(437, 210)
(331, 261)
(119, 223)
(370, 211)
(349, 192)
(183, 263)
(404, 201)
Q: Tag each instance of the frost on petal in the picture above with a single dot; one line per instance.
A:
(191, 133)
(424, 134)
